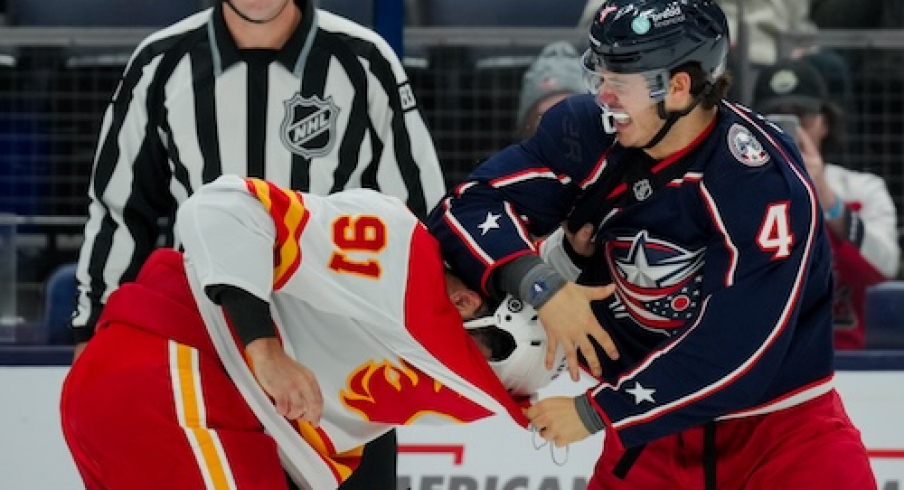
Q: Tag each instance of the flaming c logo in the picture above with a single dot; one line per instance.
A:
(398, 395)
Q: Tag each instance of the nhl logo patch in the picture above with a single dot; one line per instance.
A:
(747, 149)
(642, 189)
(309, 125)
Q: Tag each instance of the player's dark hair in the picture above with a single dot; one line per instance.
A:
(488, 307)
(712, 92)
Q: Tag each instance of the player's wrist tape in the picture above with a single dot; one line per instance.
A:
(531, 280)
(856, 230)
(590, 417)
(836, 211)
(540, 284)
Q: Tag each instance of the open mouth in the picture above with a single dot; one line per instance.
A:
(620, 119)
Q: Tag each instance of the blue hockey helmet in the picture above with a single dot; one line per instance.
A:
(636, 36)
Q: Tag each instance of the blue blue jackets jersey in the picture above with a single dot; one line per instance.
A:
(723, 304)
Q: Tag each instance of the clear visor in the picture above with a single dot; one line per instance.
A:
(620, 94)
(597, 77)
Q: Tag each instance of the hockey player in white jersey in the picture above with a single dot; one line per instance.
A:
(294, 328)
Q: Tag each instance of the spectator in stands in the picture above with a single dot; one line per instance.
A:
(879, 75)
(266, 88)
(197, 328)
(766, 21)
(554, 75)
(859, 211)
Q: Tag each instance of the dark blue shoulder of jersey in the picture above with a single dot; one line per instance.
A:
(522, 192)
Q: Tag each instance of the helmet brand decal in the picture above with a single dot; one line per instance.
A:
(641, 25)
(671, 15)
(309, 126)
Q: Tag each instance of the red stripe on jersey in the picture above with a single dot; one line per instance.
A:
(527, 174)
(674, 157)
(435, 323)
(596, 171)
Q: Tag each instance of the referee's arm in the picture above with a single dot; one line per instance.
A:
(407, 145)
(128, 193)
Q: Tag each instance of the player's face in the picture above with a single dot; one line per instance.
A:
(633, 111)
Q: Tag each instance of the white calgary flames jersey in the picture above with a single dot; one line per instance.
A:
(357, 292)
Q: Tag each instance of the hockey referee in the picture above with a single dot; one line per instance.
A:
(274, 89)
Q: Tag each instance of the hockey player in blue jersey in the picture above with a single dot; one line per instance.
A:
(716, 351)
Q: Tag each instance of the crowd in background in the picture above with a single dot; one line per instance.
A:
(838, 102)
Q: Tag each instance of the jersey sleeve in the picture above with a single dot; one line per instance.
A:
(231, 237)
(128, 194)
(345, 254)
(763, 252)
(873, 227)
(524, 191)
(409, 166)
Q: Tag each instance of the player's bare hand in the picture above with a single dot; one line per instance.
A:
(569, 321)
(812, 158)
(557, 420)
(816, 167)
(581, 241)
(293, 387)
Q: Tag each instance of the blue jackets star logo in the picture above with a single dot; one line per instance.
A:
(641, 394)
(659, 282)
(490, 223)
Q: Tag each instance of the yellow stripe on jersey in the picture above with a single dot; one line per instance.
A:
(290, 216)
(191, 414)
(342, 465)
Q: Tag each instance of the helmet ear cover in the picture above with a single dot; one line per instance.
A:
(518, 342)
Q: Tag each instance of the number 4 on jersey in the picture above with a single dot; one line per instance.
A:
(775, 233)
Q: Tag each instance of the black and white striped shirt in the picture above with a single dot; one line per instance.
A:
(331, 110)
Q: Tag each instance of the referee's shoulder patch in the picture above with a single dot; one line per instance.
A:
(406, 95)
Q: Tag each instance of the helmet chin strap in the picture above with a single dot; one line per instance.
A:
(255, 21)
(672, 117)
